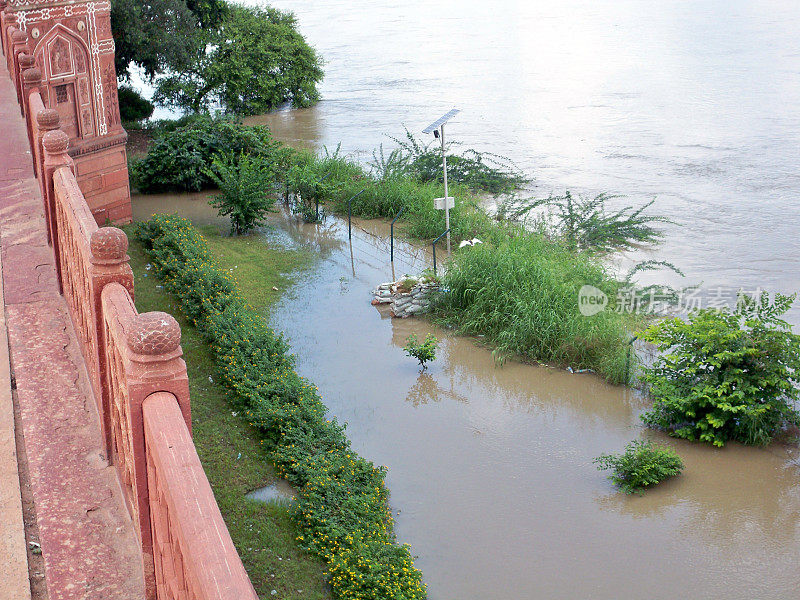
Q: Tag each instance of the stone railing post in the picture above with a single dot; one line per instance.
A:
(55, 144)
(156, 366)
(31, 83)
(19, 44)
(47, 120)
(109, 264)
(24, 62)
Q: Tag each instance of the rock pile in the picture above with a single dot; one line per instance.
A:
(408, 296)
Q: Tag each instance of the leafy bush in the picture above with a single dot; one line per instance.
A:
(476, 170)
(726, 375)
(342, 508)
(246, 184)
(642, 464)
(587, 223)
(133, 106)
(521, 292)
(179, 160)
(423, 352)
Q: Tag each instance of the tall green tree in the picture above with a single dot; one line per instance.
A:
(161, 35)
(254, 62)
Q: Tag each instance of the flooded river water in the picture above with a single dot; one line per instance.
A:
(490, 468)
(693, 103)
(696, 104)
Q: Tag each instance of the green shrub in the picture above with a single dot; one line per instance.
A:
(476, 170)
(133, 107)
(342, 507)
(246, 184)
(726, 375)
(587, 223)
(179, 160)
(423, 352)
(642, 464)
(522, 294)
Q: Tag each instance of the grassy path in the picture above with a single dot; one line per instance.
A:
(229, 448)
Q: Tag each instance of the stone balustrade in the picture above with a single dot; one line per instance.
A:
(135, 366)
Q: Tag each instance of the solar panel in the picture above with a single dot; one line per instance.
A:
(441, 121)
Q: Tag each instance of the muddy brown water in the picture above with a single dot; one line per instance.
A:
(490, 468)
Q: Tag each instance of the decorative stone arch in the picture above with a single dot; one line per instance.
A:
(64, 60)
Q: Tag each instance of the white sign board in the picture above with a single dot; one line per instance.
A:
(438, 203)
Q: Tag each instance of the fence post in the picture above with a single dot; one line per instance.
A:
(391, 235)
(55, 145)
(109, 264)
(434, 248)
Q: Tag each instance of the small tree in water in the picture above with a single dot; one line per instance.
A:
(423, 352)
(245, 183)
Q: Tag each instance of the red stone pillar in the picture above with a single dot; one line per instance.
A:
(19, 44)
(55, 145)
(109, 264)
(156, 365)
(31, 80)
(47, 120)
(3, 26)
(24, 61)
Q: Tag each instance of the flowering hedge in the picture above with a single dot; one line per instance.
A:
(342, 507)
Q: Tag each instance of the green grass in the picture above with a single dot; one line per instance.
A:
(522, 294)
(229, 448)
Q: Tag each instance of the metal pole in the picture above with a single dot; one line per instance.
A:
(317, 208)
(446, 195)
(447, 232)
(391, 236)
(350, 212)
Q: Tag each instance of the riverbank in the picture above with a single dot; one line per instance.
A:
(229, 448)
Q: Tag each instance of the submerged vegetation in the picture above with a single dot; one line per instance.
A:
(519, 288)
(342, 507)
(640, 465)
(726, 374)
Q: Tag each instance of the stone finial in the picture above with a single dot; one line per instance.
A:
(55, 141)
(19, 36)
(153, 333)
(48, 119)
(26, 61)
(108, 245)
(32, 77)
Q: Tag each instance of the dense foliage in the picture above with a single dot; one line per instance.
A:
(254, 62)
(133, 106)
(179, 160)
(342, 506)
(161, 35)
(423, 351)
(642, 464)
(246, 186)
(726, 374)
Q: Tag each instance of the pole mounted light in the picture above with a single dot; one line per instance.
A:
(446, 203)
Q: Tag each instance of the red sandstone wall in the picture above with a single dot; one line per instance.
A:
(194, 555)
